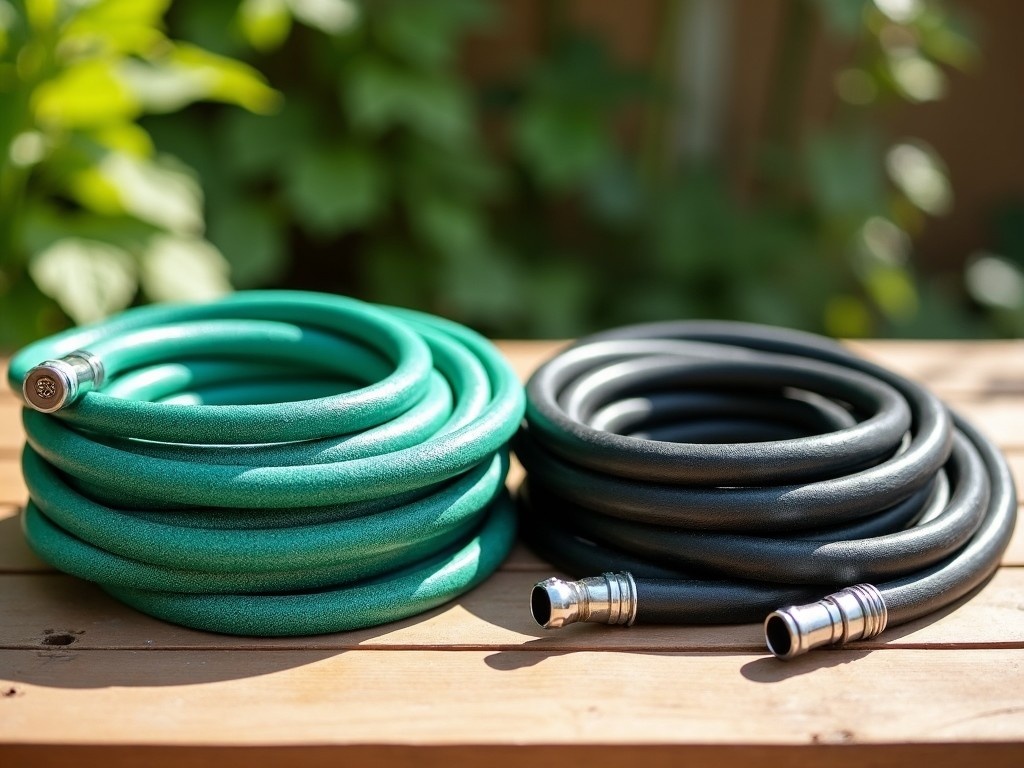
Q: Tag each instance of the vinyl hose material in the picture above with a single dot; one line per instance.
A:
(273, 463)
(730, 469)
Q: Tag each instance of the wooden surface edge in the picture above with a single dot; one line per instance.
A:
(991, 755)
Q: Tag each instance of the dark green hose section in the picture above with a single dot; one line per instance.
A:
(275, 462)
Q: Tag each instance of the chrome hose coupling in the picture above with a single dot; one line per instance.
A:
(854, 613)
(54, 384)
(606, 599)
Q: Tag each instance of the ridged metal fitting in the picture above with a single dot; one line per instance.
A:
(854, 613)
(55, 384)
(606, 599)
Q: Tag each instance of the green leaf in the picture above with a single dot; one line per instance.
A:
(844, 17)
(188, 73)
(252, 145)
(42, 14)
(204, 23)
(486, 289)
(88, 278)
(264, 23)
(426, 34)
(44, 225)
(462, 170)
(919, 173)
(251, 237)
(8, 19)
(388, 257)
(115, 27)
(89, 94)
(158, 191)
(183, 269)
(335, 190)
(561, 146)
(330, 16)
(379, 96)
(454, 228)
(845, 175)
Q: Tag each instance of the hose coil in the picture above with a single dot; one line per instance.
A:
(733, 468)
(273, 463)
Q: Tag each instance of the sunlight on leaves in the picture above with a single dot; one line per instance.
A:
(847, 317)
(265, 24)
(918, 173)
(900, 11)
(159, 192)
(88, 278)
(27, 148)
(188, 74)
(892, 290)
(884, 242)
(995, 281)
(86, 95)
(330, 16)
(183, 269)
(919, 79)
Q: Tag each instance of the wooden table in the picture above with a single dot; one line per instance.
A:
(85, 680)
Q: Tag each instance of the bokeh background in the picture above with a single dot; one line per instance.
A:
(533, 168)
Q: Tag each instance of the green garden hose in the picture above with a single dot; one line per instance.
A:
(273, 463)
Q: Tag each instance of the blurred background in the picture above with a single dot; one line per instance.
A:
(533, 168)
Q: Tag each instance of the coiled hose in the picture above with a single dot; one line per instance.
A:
(729, 469)
(274, 463)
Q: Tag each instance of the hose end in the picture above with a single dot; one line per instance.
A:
(606, 599)
(55, 384)
(854, 613)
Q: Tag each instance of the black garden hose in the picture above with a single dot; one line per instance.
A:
(727, 469)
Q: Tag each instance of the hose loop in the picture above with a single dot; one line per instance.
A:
(275, 462)
(734, 468)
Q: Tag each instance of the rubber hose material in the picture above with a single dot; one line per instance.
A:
(275, 463)
(735, 468)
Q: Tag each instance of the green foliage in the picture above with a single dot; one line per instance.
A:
(369, 170)
(91, 214)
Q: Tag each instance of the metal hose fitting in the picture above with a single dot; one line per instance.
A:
(606, 599)
(854, 613)
(54, 384)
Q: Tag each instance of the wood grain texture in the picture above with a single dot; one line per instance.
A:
(84, 679)
(815, 755)
(484, 697)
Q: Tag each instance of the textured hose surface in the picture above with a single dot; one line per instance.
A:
(276, 463)
(734, 468)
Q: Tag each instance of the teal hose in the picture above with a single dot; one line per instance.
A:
(273, 463)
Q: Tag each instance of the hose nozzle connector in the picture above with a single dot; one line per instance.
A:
(606, 599)
(54, 384)
(854, 613)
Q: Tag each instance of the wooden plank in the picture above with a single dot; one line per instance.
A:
(483, 697)
(40, 609)
(15, 555)
(12, 487)
(979, 367)
(514, 755)
(11, 434)
(526, 356)
(1002, 421)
